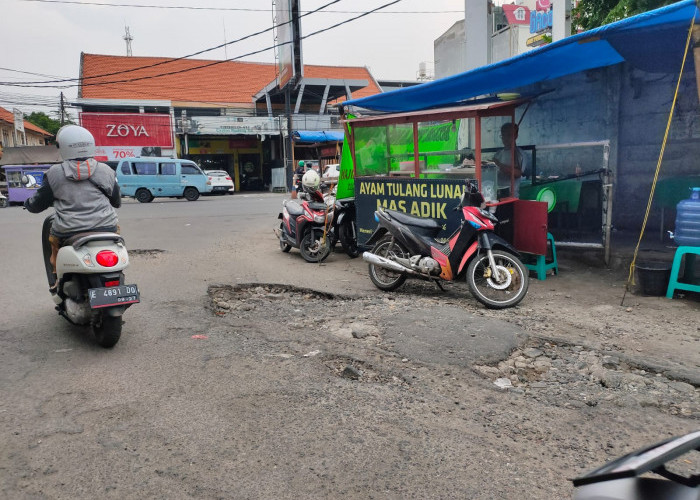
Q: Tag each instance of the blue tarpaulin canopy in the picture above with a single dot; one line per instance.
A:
(653, 41)
(318, 135)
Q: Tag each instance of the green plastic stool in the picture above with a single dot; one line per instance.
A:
(688, 275)
(541, 265)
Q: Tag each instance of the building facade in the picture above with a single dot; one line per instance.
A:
(10, 137)
(225, 115)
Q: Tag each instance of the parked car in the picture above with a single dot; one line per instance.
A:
(331, 172)
(221, 182)
(149, 177)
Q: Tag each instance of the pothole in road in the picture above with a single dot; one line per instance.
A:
(249, 296)
(576, 376)
(361, 371)
(146, 252)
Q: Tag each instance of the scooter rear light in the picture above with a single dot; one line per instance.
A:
(107, 258)
(112, 283)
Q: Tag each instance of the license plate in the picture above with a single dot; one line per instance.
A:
(113, 296)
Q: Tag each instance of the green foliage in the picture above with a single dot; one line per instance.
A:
(44, 121)
(589, 14)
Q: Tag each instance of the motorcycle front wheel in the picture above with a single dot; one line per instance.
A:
(283, 245)
(383, 278)
(314, 247)
(107, 330)
(496, 294)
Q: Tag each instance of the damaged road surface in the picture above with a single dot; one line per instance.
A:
(247, 373)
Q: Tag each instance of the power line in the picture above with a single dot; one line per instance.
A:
(213, 63)
(240, 9)
(169, 61)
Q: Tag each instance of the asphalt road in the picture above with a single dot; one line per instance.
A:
(257, 409)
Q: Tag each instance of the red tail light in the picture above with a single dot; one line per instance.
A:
(228, 178)
(112, 283)
(107, 258)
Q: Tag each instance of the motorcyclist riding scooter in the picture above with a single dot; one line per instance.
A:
(84, 255)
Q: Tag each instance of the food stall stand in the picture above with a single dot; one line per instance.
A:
(16, 191)
(418, 162)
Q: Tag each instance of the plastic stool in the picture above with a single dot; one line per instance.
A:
(541, 265)
(688, 275)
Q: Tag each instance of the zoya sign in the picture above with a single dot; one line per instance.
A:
(125, 130)
(129, 129)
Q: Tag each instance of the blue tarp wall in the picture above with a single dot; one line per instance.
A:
(614, 83)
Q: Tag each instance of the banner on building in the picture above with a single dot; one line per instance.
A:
(233, 125)
(129, 129)
(19, 120)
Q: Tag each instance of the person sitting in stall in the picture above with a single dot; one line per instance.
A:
(510, 163)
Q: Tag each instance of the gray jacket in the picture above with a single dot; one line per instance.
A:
(84, 195)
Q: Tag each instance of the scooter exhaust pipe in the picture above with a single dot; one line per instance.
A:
(388, 264)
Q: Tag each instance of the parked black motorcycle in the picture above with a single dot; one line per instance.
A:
(344, 226)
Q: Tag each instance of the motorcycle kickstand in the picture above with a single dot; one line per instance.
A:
(439, 285)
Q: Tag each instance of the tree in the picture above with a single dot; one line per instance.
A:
(589, 14)
(44, 121)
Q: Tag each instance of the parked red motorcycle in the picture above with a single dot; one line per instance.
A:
(405, 246)
(307, 222)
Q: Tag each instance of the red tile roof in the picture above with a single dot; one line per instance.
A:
(230, 82)
(7, 116)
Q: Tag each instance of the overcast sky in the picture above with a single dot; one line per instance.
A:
(46, 37)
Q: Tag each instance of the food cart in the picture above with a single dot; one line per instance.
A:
(418, 162)
(16, 191)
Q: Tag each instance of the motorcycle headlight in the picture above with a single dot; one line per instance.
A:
(319, 219)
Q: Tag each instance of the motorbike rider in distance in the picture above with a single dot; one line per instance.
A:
(296, 179)
(83, 191)
(310, 184)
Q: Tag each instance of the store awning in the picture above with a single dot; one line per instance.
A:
(653, 41)
(30, 155)
(318, 135)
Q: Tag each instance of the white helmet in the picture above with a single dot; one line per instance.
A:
(311, 180)
(75, 142)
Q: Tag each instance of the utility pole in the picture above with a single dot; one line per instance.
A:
(62, 111)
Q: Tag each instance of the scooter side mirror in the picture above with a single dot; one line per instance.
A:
(29, 181)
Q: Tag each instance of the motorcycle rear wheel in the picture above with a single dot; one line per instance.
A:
(348, 241)
(489, 292)
(313, 247)
(383, 278)
(109, 330)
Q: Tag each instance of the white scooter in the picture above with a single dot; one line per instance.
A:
(91, 288)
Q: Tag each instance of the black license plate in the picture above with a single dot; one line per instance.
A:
(113, 296)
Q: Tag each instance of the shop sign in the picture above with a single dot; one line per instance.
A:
(540, 21)
(234, 125)
(116, 153)
(537, 40)
(517, 14)
(129, 129)
(433, 198)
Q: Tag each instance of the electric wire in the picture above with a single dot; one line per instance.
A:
(210, 64)
(240, 9)
(168, 61)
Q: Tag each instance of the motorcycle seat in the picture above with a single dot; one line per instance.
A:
(78, 240)
(411, 220)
